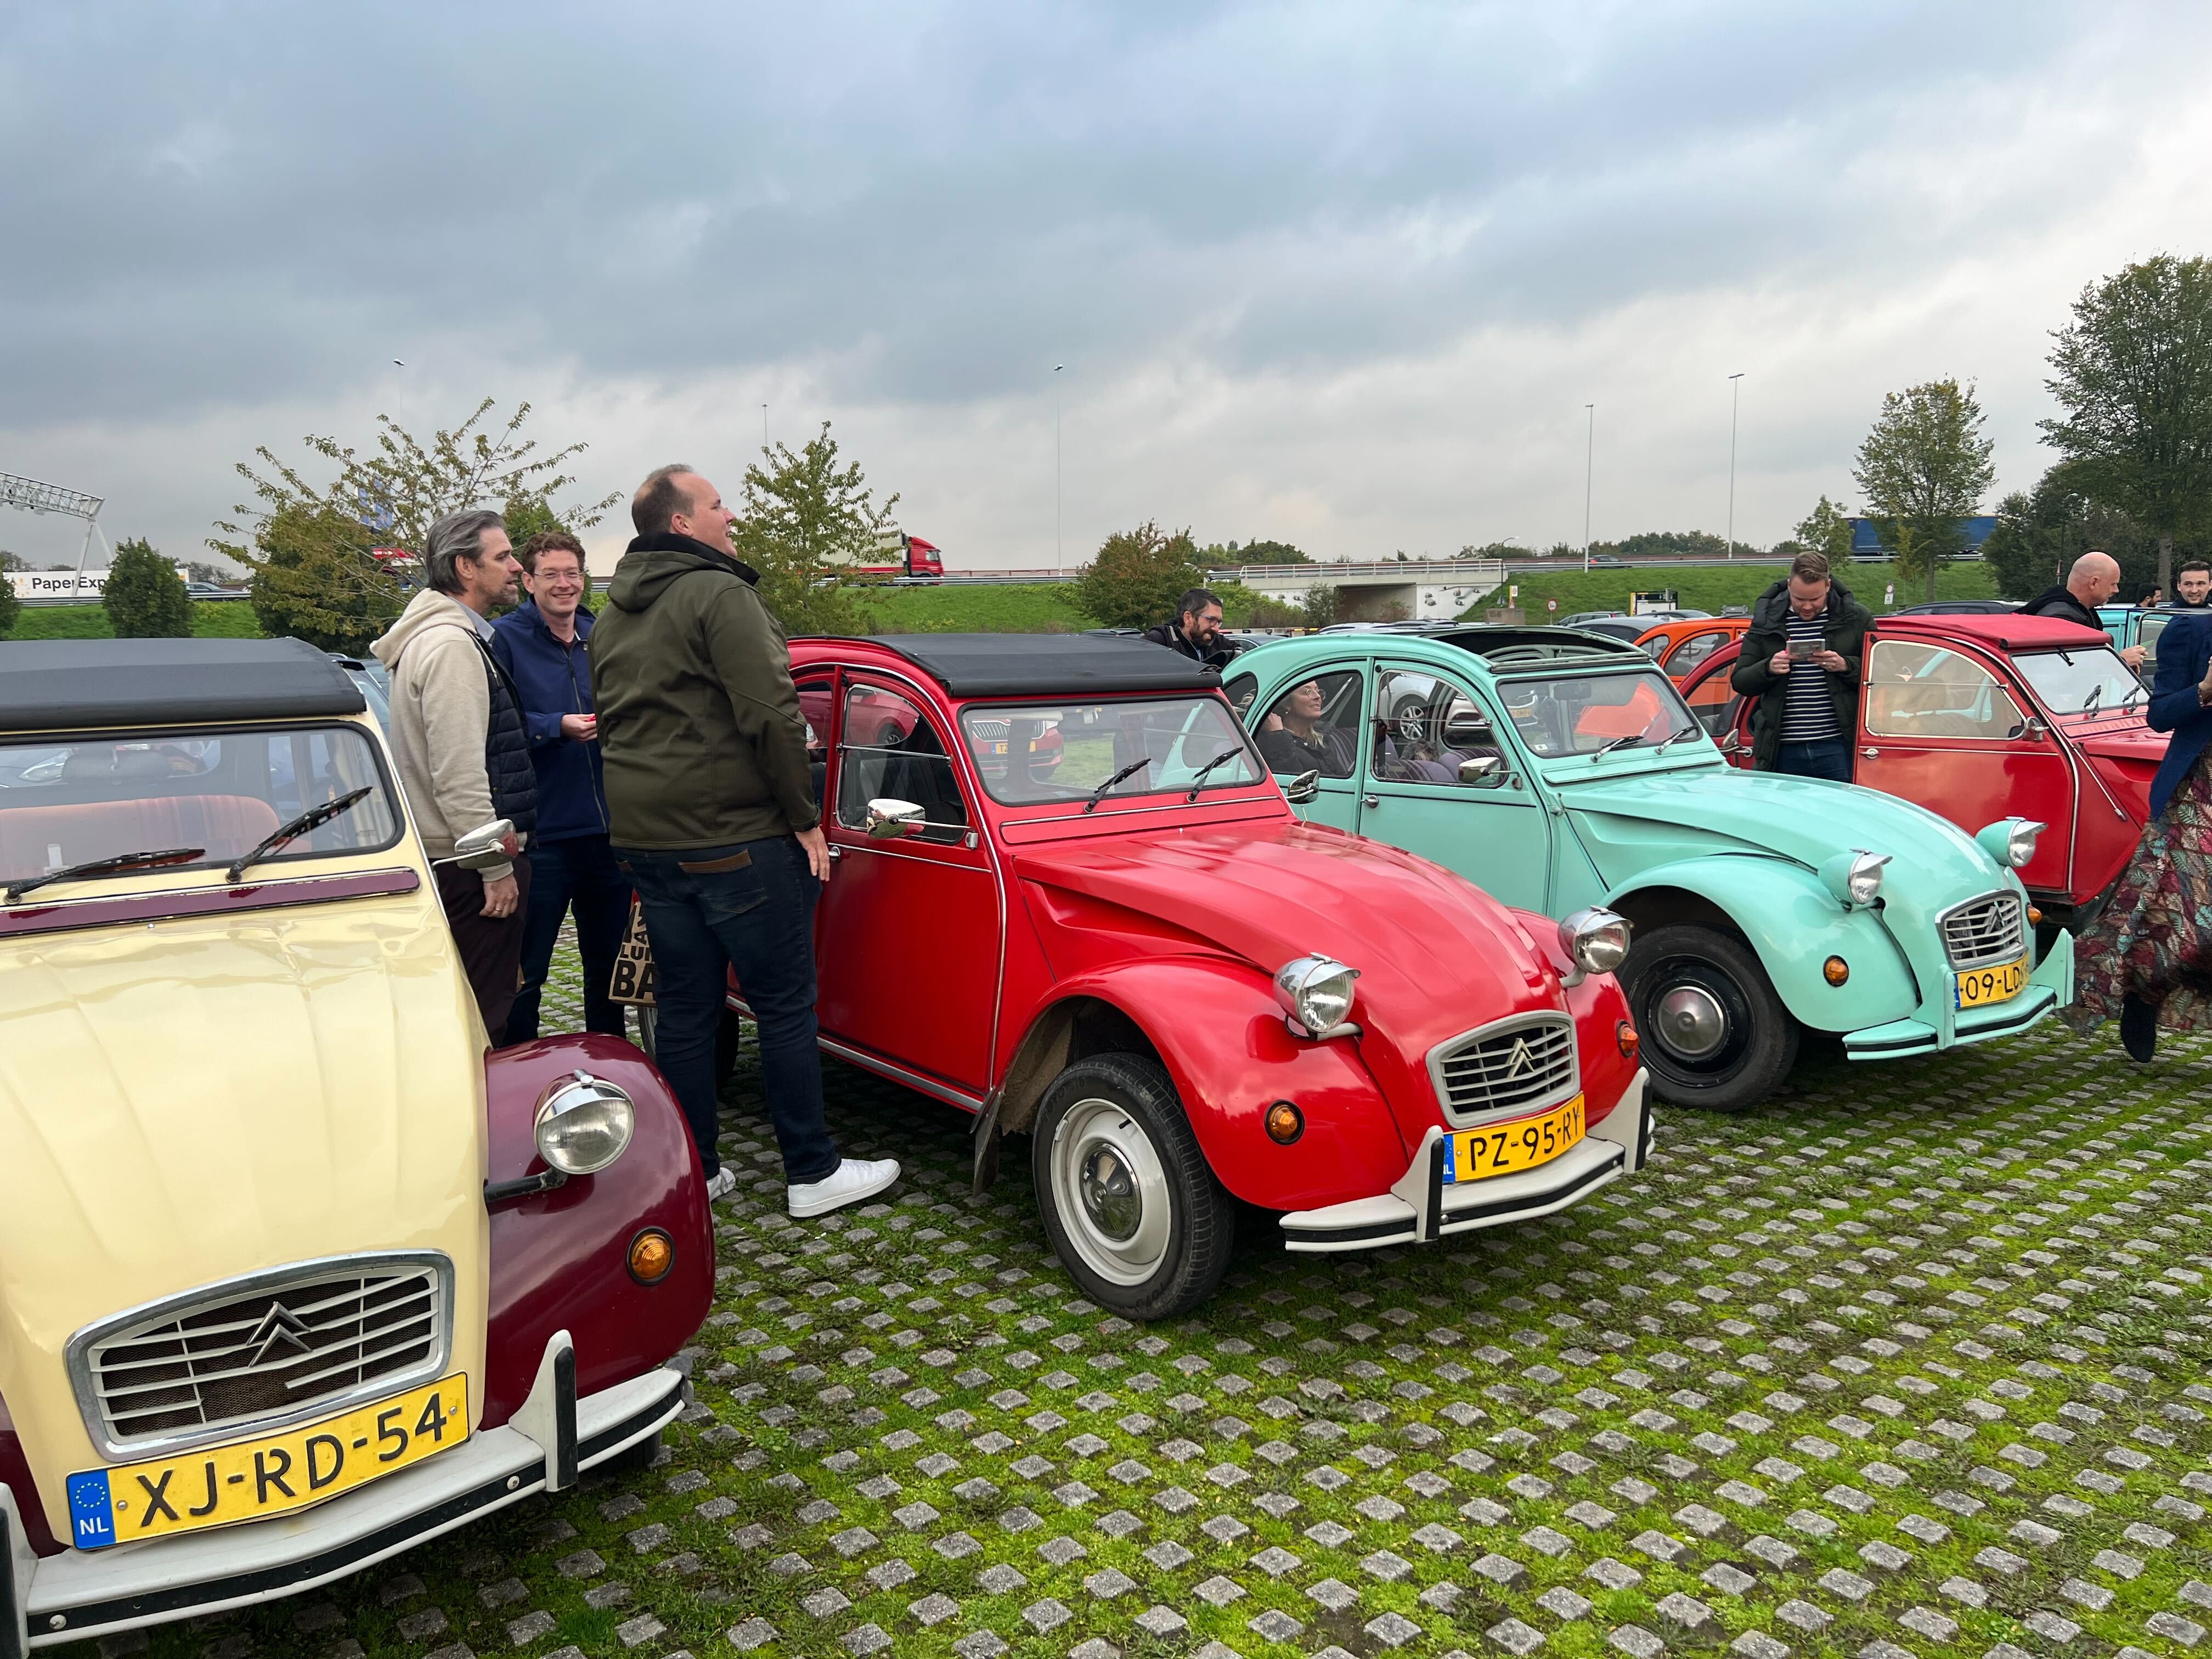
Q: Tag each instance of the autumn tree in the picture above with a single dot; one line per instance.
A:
(144, 597)
(2133, 371)
(314, 579)
(1138, 575)
(1826, 529)
(1923, 470)
(808, 522)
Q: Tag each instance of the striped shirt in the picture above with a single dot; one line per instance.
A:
(1809, 715)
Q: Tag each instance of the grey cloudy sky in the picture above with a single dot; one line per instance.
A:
(1343, 274)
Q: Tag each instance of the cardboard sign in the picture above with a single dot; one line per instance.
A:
(633, 975)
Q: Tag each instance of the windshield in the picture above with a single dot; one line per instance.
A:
(1580, 714)
(1066, 752)
(2066, 681)
(74, 802)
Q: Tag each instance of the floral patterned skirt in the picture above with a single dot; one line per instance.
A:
(2153, 938)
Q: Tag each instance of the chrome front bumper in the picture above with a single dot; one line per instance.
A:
(548, 1443)
(1421, 1207)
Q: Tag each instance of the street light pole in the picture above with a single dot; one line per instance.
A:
(1735, 392)
(1057, 565)
(1589, 461)
(764, 429)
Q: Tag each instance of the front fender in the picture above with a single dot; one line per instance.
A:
(1794, 924)
(1230, 1055)
(560, 1259)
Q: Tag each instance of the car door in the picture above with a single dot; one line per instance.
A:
(1494, 831)
(1941, 726)
(907, 932)
(1690, 650)
(1725, 715)
(1313, 725)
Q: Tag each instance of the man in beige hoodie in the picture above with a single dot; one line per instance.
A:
(459, 740)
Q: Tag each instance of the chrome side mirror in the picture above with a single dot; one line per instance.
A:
(483, 846)
(1302, 788)
(1731, 744)
(889, 819)
(1479, 768)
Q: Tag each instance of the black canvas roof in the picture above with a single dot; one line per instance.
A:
(1048, 665)
(55, 685)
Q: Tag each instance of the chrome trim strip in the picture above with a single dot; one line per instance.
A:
(1447, 1050)
(898, 1073)
(84, 1381)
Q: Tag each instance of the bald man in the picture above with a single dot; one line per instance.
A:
(2093, 580)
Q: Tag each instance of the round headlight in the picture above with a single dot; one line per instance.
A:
(1316, 991)
(1863, 880)
(583, 1124)
(2020, 844)
(1595, 940)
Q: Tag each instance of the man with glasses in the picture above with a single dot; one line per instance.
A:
(544, 646)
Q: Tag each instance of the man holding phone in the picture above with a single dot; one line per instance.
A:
(1801, 660)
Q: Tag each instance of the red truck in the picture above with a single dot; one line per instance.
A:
(909, 560)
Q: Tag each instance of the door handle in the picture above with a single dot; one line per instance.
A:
(1370, 800)
(835, 853)
(1871, 754)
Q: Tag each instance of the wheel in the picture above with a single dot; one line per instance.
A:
(1411, 722)
(1129, 1202)
(1715, 1033)
(890, 737)
(648, 1021)
(729, 1037)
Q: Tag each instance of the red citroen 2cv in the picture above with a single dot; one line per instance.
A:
(1068, 898)
(1984, 718)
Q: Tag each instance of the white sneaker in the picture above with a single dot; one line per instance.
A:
(855, 1179)
(722, 1183)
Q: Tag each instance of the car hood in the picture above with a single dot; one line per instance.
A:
(1632, 823)
(191, 1099)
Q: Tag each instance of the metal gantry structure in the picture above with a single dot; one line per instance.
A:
(34, 495)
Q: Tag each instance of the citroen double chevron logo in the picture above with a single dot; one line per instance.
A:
(1521, 1063)
(281, 1333)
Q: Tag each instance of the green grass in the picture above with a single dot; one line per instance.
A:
(1018, 608)
(227, 619)
(1707, 587)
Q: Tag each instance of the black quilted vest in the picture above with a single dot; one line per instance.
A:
(506, 750)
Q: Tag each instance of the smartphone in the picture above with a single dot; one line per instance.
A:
(1802, 648)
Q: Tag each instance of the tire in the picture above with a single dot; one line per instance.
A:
(890, 737)
(1115, 1118)
(1746, 1042)
(729, 1037)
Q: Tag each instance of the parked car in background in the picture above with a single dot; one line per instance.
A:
(1679, 645)
(1959, 608)
(1624, 629)
(1982, 717)
(1137, 957)
(2127, 624)
(1558, 771)
(294, 1275)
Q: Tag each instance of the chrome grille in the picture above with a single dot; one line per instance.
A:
(985, 731)
(1514, 1065)
(256, 1352)
(1984, 932)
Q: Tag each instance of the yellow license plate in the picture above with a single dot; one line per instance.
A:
(1508, 1148)
(1984, 986)
(219, 1485)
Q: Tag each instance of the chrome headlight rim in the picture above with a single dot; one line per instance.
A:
(2012, 841)
(1596, 940)
(1315, 990)
(1855, 877)
(575, 1105)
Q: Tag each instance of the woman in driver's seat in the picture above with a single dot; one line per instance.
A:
(1294, 739)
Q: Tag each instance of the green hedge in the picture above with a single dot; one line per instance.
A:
(1715, 587)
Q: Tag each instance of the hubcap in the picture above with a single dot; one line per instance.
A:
(1110, 1191)
(1692, 1021)
(1109, 1194)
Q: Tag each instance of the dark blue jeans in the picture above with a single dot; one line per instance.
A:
(749, 906)
(1829, 758)
(577, 871)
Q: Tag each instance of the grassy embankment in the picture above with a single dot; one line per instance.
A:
(1020, 608)
(227, 619)
(1711, 587)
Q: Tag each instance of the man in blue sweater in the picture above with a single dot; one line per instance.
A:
(544, 647)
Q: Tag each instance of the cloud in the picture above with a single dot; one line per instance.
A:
(1344, 273)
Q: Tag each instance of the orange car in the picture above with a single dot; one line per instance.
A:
(1680, 648)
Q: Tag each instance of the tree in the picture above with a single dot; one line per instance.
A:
(199, 570)
(1826, 529)
(11, 608)
(1138, 575)
(145, 598)
(315, 580)
(2040, 533)
(808, 522)
(2133, 372)
(1923, 470)
(1266, 552)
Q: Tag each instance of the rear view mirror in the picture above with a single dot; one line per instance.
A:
(1732, 744)
(1302, 788)
(1479, 768)
(483, 846)
(889, 819)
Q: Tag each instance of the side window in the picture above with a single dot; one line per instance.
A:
(1312, 726)
(888, 749)
(1915, 690)
(1425, 727)
(1710, 700)
(1240, 692)
(815, 696)
(1695, 650)
(2152, 628)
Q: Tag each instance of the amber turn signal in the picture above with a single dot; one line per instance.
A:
(2034, 916)
(1624, 1035)
(652, 1254)
(1836, 971)
(1285, 1123)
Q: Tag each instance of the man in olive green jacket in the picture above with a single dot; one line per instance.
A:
(714, 820)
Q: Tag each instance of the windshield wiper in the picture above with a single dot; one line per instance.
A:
(1660, 747)
(1128, 771)
(115, 865)
(314, 819)
(1199, 777)
(2096, 694)
(1628, 742)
